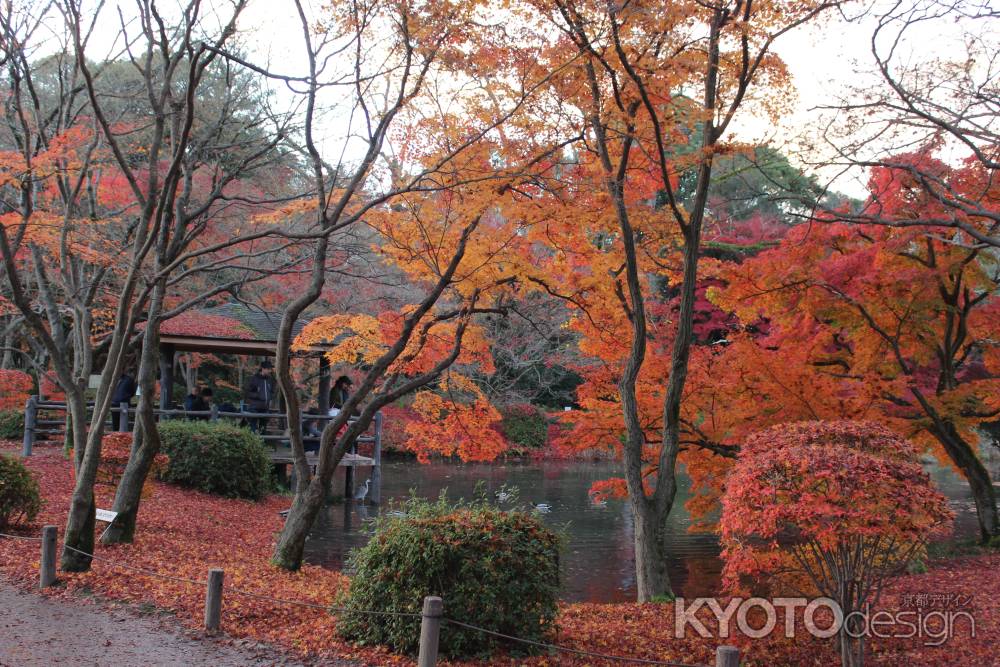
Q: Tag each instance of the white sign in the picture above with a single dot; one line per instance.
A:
(106, 515)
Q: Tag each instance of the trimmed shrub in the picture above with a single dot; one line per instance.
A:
(495, 569)
(524, 425)
(215, 457)
(11, 425)
(19, 497)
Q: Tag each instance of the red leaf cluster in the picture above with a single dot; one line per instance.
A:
(15, 387)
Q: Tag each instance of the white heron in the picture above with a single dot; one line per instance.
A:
(359, 494)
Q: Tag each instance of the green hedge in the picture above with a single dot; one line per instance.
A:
(524, 425)
(19, 497)
(494, 569)
(215, 457)
(11, 424)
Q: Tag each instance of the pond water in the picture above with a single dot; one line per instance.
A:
(598, 561)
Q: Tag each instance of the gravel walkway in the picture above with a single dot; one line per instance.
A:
(36, 630)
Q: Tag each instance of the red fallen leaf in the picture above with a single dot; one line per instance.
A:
(184, 533)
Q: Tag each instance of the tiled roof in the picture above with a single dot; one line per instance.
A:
(230, 320)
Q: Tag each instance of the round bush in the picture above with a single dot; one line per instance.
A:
(19, 497)
(11, 424)
(495, 569)
(215, 457)
(524, 425)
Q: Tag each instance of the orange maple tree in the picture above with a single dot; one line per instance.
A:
(619, 241)
(871, 321)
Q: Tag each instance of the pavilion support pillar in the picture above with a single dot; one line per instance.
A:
(324, 385)
(166, 376)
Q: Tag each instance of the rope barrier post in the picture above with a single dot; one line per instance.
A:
(30, 422)
(213, 600)
(727, 656)
(123, 417)
(430, 631)
(47, 565)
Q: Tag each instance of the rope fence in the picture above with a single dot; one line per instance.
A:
(430, 619)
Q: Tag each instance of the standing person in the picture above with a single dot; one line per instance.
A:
(258, 394)
(124, 391)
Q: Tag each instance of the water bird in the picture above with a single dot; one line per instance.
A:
(543, 508)
(360, 493)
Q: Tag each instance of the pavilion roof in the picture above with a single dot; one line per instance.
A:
(231, 327)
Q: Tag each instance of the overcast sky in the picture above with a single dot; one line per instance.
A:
(824, 60)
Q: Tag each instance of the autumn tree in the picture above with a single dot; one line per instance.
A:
(650, 77)
(912, 100)
(878, 321)
(111, 208)
(834, 508)
(429, 197)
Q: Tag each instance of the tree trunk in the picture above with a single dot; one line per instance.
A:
(289, 550)
(145, 439)
(651, 578)
(983, 492)
(79, 533)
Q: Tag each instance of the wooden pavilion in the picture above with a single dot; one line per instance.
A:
(232, 328)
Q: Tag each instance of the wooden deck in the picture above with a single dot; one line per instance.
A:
(284, 455)
(48, 418)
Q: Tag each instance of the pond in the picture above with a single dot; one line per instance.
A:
(598, 562)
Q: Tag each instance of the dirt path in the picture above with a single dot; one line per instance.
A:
(35, 630)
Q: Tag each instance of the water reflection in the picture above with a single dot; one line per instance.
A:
(598, 562)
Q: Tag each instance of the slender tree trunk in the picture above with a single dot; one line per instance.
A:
(288, 553)
(146, 439)
(983, 492)
(652, 580)
(79, 532)
(309, 501)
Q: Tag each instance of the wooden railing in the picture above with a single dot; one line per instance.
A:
(119, 419)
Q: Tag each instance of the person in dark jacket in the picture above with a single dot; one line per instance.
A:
(199, 401)
(339, 394)
(258, 394)
(123, 393)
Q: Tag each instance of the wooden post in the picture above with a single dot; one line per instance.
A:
(376, 491)
(47, 566)
(30, 422)
(324, 385)
(727, 656)
(166, 376)
(430, 631)
(213, 600)
(123, 417)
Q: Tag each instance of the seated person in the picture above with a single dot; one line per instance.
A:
(339, 394)
(199, 402)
